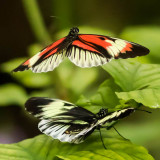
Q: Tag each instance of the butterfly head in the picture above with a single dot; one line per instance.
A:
(74, 31)
(102, 113)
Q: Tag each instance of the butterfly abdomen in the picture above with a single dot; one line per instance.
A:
(114, 116)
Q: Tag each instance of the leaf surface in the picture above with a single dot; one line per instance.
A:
(140, 82)
(44, 148)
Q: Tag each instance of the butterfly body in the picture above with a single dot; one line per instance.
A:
(67, 122)
(84, 50)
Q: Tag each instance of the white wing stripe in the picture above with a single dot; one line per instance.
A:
(57, 131)
(49, 64)
(84, 58)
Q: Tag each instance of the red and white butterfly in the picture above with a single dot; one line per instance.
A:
(84, 50)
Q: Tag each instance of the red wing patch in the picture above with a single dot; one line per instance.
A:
(46, 60)
(114, 46)
(95, 50)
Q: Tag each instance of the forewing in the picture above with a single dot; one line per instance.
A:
(62, 120)
(94, 50)
(47, 59)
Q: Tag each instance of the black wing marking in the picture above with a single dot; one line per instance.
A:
(62, 120)
(67, 122)
(90, 50)
(84, 58)
(47, 59)
(66, 132)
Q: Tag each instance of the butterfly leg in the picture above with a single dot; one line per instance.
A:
(119, 133)
(112, 126)
(102, 138)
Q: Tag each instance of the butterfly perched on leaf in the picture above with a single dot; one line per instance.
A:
(70, 123)
(84, 50)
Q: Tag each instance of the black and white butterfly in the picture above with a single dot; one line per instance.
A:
(67, 122)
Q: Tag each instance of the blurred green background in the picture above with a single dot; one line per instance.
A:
(27, 26)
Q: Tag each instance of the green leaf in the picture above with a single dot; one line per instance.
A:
(148, 97)
(107, 92)
(83, 101)
(11, 94)
(43, 147)
(86, 103)
(105, 97)
(27, 78)
(140, 82)
(87, 155)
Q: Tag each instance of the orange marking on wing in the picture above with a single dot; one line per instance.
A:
(51, 46)
(96, 40)
(26, 62)
(54, 51)
(84, 46)
(127, 48)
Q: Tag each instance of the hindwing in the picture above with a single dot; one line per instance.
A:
(94, 50)
(62, 120)
(84, 50)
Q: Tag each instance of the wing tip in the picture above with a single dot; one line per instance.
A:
(137, 51)
(30, 105)
(140, 50)
(34, 102)
(144, 51)
(20, 68)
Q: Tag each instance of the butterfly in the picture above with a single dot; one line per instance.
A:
(84, 50)
(70, 123)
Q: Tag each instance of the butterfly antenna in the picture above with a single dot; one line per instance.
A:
(119, 133)
(143, 110)
(56, 17)
(102, 139)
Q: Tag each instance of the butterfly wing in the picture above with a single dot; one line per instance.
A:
(62, 120)
(65, 132)
(84, 50)
(94, 50)
(47, 59)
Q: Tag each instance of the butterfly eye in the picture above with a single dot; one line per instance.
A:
(106, 111)
(74, 31)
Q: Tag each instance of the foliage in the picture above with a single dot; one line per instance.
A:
(126, 83)
(12, 94)
(42, 147)
(129, 83)
(129, 79)
(140, 82)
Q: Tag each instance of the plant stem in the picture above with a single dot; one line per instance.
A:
(36, 21)
(63, 10)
